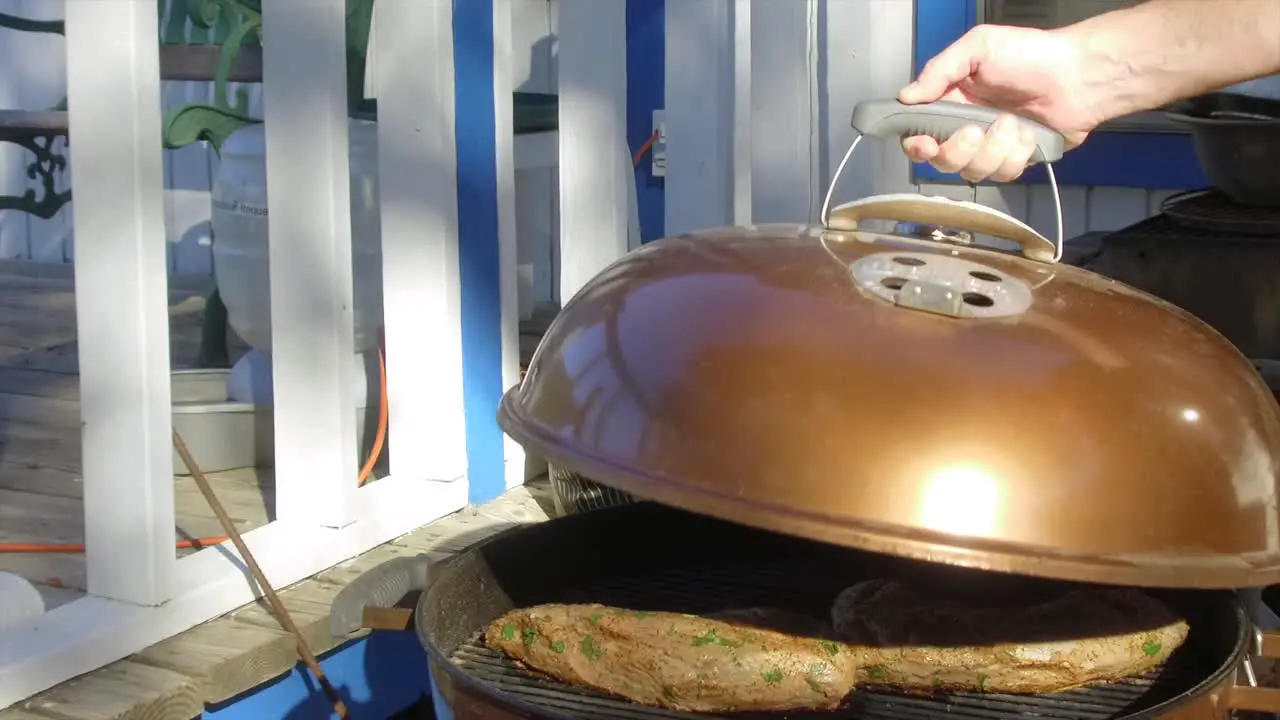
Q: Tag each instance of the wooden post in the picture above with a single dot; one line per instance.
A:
(784, 75)
(312, 339)
(593, 126)
(699, 109)
(867, 57)
(418, 171)
(508, 251)
(122, 323)
(743, 200)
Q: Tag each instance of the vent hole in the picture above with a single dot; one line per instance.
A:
(909, 261)
(894, 283)
(985, 276)
(977, 299)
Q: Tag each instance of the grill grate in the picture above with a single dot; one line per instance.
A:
(575, 494)
(1210, 211)
(702, 590)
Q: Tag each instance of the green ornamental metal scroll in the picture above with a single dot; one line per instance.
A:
(39, 140)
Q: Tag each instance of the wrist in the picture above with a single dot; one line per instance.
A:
(1111, 81)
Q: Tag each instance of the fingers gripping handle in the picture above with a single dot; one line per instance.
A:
(940, 120)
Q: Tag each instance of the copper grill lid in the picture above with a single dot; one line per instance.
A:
(916, 396)
(1081, 429)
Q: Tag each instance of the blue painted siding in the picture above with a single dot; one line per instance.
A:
(478, 252)
(377, 677)
(646, 87)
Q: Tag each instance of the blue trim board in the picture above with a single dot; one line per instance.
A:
(478, 209)
(377, 676)
(1153, 161)
(479, 264)
(646, 89)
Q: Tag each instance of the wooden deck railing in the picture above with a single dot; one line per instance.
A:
(447, 158)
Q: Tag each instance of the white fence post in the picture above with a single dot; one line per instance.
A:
(743, 133)
(418, 186)
(508, 249)
(699, 108)
(593, 127)
(784, 75)
(113, 94)
(312, 337)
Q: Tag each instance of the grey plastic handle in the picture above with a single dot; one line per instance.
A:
(940, 120)
(381, 587)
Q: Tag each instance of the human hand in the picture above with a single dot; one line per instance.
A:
(1022, 71)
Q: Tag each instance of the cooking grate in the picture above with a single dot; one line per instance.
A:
(1212, 211)
(702, 590)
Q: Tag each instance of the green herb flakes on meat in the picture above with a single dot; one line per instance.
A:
(678, 661)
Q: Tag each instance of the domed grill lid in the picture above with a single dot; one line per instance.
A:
(918, 397)
(1068, 426)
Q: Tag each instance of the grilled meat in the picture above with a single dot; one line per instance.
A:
(904, 638)
(681, 662)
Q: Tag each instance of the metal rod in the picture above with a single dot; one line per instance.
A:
(277, 607)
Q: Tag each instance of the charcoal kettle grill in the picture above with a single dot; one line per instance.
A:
(797, 408)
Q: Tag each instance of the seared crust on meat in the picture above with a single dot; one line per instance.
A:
(904, 638)
(882, 633)
(681, 662)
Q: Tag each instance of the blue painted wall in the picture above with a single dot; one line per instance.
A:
(478, 246)
(646, 87)
(1152, 161)
(478, 208)
(377, 677)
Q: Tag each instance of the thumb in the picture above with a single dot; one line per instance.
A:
(944, 71)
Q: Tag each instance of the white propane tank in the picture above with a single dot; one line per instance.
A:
(240, 258)
(20, 602)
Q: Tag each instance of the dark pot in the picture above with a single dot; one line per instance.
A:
(1237, 140)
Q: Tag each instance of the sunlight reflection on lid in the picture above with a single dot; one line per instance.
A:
(1190, 415)
(962, 500)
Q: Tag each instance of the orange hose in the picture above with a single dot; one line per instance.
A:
(648, 145)
(379, 439)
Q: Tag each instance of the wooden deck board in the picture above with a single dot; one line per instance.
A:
(124, 690)
(40, 458)
(246, 648)
(30, 517)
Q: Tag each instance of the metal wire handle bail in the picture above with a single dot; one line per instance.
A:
(1058, 246)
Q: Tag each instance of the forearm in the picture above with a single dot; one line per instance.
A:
(1152, 54)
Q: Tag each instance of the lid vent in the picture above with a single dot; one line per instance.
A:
(942, 284)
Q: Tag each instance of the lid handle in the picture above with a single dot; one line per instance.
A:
(940, 120)
(909, 207)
